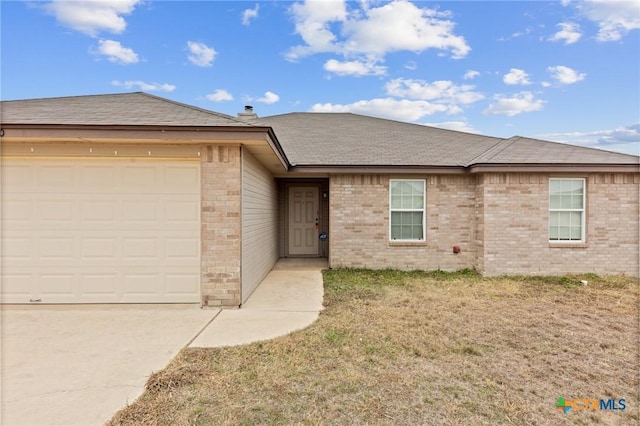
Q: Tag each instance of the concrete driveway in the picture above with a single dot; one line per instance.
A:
(78, 365)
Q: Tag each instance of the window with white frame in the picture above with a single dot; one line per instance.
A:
(566, 210)
(407, 210)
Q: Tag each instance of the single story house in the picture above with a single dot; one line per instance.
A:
(132, 198)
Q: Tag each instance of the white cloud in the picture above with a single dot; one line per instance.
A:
(615, 18)
(460, 126)
(372, 32)
(516, 77)
(219, 95)
(565, 75)
(514, 105)
(92, 17)
(201, 54)
(443, 91)
(312, 22)
(411, 65)
(250, 14)
(401, 25)
(622, 139)
(117, 53)
(569, 33)
(401, 110)
(268, 98)
(145, 87)
(471, 74)
(354, 68)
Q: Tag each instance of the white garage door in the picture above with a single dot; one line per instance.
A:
(77, 230)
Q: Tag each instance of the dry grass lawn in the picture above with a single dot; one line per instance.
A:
(416, 348)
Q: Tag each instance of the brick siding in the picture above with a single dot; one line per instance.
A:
(516, 219)
(220, 221)
(499, 220)
(359, 224)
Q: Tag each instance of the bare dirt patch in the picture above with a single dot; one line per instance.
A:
(420, 348)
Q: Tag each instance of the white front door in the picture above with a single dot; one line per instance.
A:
(303, 220)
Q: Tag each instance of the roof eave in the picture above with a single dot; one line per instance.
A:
(555, 168)
(377, 169)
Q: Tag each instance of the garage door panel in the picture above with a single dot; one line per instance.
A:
(18, 176)
(56, 248)
(86, 237)
(177, 177)
(141, 284)
(15, 249)
(57, 211)
(99, 248)
(182, 284)
(61, 284)
(98, 177)
(16, 286)
(16, 210)
(56, 176)
(182, 211)
(98, 210)
(140, 176)
(181, 248)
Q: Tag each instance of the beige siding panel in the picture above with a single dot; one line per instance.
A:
(259, 223)
(100, 230)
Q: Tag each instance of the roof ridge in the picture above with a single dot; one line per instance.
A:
(493, 150)
(193, 107)
(579, 146)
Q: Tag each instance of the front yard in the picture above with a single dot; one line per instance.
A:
(410, 348)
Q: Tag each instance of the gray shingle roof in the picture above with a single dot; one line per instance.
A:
(314, 139)
(336, 139)
(122, 109)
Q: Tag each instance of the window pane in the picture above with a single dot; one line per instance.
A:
(576, 201)
(576, 218)
(405, 188)
(576, 233)
(395, 218)
(577, 186)
(554, 187)
(565, 203)
(417, 186)
(406, 225)
(407, 195)
(395, 232)
(565, 186)
(564, 219)
(553, 232)
(554, 202)
(406, 202)
(563, 232)
(553, 218)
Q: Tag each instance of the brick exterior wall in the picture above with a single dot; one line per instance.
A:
(500, 221)
(516, 219)
(221, 225)
(359, 224)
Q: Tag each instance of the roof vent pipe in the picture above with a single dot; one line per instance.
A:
(247, 114)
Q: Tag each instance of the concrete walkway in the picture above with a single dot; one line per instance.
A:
(289, 299)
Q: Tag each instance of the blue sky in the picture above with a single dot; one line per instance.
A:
(563, 71)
